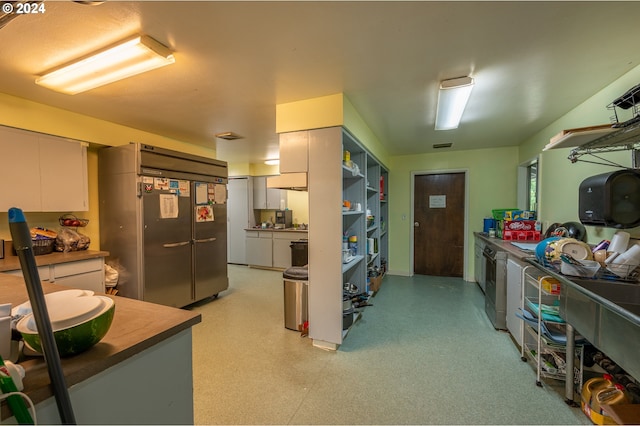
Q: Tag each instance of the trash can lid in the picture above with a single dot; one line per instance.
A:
(296, 273)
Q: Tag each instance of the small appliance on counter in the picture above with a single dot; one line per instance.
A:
(284, 219)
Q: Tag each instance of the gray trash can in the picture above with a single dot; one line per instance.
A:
(296, 287)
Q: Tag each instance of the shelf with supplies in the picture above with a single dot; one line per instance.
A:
(344, 175)
(351, 172)
(351, 262)
(543, 330)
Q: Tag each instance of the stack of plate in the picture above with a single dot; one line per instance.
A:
(79, 320)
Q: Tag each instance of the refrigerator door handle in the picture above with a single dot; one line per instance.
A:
(205, 240)
(171, 245)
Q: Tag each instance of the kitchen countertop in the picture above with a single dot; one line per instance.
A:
(136, 326)
(506, 245)
(277, 230)
(12, 263)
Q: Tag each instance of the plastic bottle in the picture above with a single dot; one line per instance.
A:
(591, 387)
(610, 396)
(353, 244)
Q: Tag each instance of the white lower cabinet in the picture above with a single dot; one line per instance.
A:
(282, 249)
(259, 248)
(84, 274)
(43, 272)
(271, 249)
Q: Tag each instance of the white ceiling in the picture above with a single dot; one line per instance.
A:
(532, 62)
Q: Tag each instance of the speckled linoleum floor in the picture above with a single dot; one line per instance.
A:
(425, 353)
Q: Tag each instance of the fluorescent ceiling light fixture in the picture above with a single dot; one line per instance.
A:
(274, 162)
(452, 99)
(125, 59)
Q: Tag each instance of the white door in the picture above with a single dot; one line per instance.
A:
(237, 219)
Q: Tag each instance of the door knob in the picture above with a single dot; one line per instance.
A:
(416, 224)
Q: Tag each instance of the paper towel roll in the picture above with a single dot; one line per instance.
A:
(619, 242)
(629, 257)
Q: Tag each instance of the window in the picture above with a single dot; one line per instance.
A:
(532, 186)
(528, 185)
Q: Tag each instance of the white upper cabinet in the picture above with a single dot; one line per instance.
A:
(267, 198)
(63, 175)
(294, 152)
(19, 170)
(42, 173)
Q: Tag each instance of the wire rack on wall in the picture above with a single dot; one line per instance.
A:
(625, 139)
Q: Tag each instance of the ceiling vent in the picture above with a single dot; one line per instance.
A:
(442, 145)
(228, 136)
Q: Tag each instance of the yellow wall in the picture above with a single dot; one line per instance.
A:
(316, 113)
(24, 114)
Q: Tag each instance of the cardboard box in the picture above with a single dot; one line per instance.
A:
(518, 230)
(375, 283)
(519, 225)
(519, 215)
(513, 214)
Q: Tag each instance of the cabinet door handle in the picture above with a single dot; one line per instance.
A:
(416, 224)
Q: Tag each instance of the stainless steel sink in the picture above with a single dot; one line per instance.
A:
(607, 313)
(625, 295)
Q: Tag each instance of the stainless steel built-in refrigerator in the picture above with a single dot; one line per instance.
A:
(163, 220)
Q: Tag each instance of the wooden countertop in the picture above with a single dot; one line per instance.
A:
(287, 230)
(12, 263)
(136, 326)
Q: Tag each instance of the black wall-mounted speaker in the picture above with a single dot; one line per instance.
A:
(611, 199)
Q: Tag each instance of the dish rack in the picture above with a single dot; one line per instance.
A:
(625, 273)
(628, 101)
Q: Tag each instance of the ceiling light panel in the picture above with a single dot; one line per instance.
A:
(452, 100)
(126, 59)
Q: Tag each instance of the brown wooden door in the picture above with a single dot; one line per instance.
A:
(438, 244)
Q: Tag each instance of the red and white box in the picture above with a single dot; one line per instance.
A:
(520, 230)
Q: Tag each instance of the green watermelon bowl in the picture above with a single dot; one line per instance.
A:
(78, 323)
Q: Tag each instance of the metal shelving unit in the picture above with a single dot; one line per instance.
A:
(549, 356)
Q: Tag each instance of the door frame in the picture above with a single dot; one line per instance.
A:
(465, 275)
